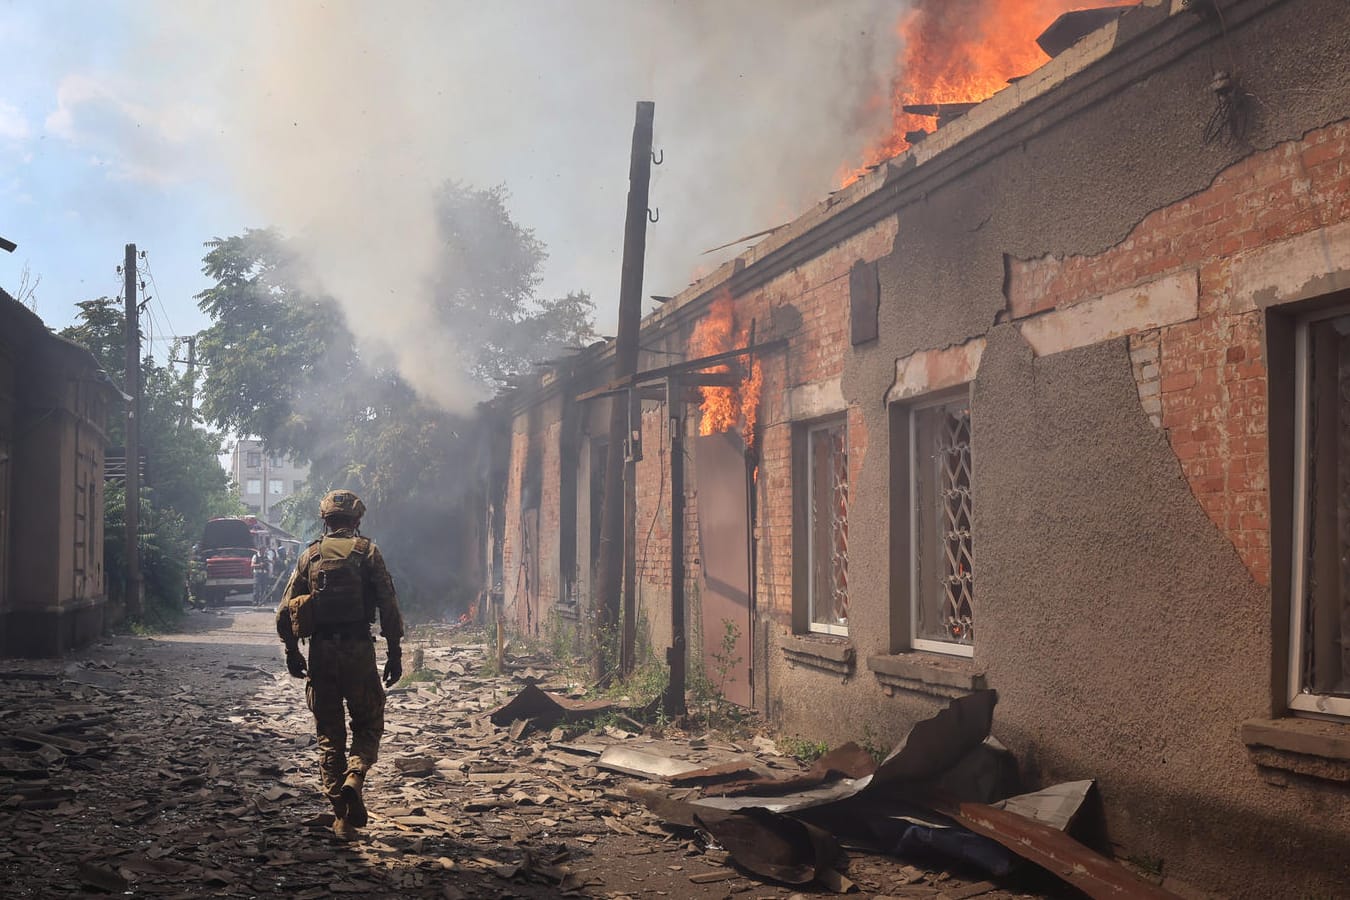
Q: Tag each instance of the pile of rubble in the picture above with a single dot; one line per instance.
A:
(188, 769)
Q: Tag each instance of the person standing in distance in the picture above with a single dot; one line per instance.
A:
(347, 582)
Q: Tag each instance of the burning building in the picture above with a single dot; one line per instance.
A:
(1052, 402)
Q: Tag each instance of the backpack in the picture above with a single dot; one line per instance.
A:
(337, 581)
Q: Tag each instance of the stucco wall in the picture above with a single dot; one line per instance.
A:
(1122, 628)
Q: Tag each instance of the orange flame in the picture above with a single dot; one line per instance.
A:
(959, 51)
(726, 407)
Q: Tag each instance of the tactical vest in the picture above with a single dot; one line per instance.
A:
(337, 581)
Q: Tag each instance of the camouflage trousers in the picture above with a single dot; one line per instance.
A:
(343, 669)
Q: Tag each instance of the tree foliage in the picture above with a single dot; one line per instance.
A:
(185, 484)
(283, 364)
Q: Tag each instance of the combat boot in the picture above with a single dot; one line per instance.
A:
(351, 798)
(343, 830)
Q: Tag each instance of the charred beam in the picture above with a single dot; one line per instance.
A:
(694, 365)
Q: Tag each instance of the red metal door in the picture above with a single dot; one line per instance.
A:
(722, 482)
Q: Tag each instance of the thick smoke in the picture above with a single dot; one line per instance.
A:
(338, 120)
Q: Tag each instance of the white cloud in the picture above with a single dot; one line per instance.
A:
(133, 141)
(13, 125)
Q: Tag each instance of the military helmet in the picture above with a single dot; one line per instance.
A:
(341, 503)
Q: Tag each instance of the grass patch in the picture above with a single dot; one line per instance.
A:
(802, 749)
(418, 675)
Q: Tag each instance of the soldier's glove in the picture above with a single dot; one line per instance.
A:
(295, 662)
(393, 665)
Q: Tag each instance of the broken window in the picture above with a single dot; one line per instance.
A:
(827, 547)
(1320, 626)
(941, 552)
(276, 486)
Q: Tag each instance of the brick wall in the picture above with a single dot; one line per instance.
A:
(817, 348)
(1204, 381)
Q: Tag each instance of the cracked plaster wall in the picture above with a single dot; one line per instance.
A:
(1125, 634)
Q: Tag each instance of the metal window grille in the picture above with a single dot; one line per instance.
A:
(942, 571)
(958, 582)
(827, 450)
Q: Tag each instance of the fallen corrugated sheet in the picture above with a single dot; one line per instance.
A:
(778, 847)
(931, 747)
(1055, 806)
(546, 708)
(643, 765)
(911, 804)
(847, 761)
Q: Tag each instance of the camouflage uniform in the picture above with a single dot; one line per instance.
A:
(341, 662)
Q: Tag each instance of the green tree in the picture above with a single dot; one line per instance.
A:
(283, 365)
(185, 484)
(486, 288)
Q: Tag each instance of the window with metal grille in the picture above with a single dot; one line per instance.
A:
(827, 548)
(1319, 675)
(941, 553)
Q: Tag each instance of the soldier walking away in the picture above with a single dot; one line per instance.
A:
(340, 582)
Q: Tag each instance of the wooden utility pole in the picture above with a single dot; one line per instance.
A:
(615, 580)
(133, 585)
(191, 382)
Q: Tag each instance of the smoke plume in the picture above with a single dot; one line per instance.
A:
(336, 122)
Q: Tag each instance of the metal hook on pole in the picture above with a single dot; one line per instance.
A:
(657, 160)
(653, 216)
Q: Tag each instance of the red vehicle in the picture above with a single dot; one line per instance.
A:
(223, 562)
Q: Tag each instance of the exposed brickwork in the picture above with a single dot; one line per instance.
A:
(1204, 381)
(1147, 374)
(819, 292)
(1288, 190)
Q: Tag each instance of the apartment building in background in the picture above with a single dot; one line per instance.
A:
(264, 479)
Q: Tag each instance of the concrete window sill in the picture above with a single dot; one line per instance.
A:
(819, 651)
(1311, 747)
(933, 674)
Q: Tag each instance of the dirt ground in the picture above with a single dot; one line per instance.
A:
(183, 765)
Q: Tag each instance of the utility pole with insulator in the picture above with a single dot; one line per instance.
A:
(133, 586)
(616, 577)
(191, 382)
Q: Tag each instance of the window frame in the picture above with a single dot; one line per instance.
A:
(252, 459)
(808, 431)
(937, 398)
(1297, 699)
(249, 490)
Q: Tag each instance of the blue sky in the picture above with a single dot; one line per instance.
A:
(166, 124)
(69, 196)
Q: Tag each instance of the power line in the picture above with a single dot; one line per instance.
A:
(150, 274)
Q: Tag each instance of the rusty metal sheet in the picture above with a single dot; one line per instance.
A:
(774, 846)
(846, 761)
(724, 545)
(535, 703)
(1090, 872)
(935, 744)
